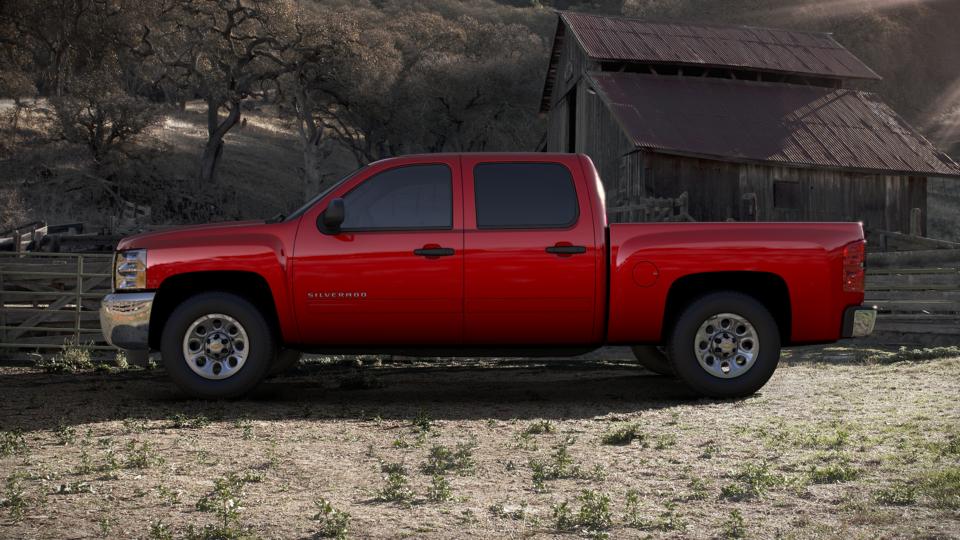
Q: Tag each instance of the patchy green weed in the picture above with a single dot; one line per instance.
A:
(698, 490)
(710, 450)
(71, 358)
(141, 455)
(439, 490)
(170, 497)
(593, 518)
(837, 469)
(396, 484)
(12, 443)
(943, 488)
(14, 497)
(665, 441)
(951, 447)
(540, 427)
(753, 481)
(623, 434)
(182, 421)
(668, 520)
(134, 425)
(421, 423)
(226, 502)
(332, 523)
(245, 425)
(65, 433)
(899, 494)
(560, 465)
(160, 531)
(442, 459)
(734, 527)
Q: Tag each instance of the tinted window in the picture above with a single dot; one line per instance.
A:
(415, 197)
(524, 196)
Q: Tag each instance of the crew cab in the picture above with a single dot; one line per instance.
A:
(483, 254)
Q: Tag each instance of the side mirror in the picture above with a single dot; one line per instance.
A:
(333, 216)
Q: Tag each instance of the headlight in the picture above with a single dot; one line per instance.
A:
(130, 270)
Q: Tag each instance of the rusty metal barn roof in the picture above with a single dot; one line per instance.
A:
(790, 125)
(766, 49)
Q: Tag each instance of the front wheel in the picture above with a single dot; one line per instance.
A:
(217, 345)
(725, 345)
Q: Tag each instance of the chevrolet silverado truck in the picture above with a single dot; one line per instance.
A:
(479, 255)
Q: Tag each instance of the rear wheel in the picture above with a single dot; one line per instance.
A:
(217, 345)
(725, 345)
(653, 358)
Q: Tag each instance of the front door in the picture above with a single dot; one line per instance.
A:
(393, 275)
(531, 254)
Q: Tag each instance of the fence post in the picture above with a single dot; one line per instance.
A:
(3, 311)
(916, 222)
(76, 325)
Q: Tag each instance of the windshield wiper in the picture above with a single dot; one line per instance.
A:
(277, 218)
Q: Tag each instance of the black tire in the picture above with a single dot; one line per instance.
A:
(286, 359)
(260, 355)
(654, 359)
(682, 343)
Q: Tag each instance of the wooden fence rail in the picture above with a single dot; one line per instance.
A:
(917, 294)
(47, 299)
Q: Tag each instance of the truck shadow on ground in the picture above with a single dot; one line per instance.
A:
(445, 390)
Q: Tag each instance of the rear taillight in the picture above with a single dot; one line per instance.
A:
(853, 267)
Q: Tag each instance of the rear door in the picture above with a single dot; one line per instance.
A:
(393, 275)
(530, 253)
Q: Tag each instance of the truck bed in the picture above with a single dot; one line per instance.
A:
(647, 260)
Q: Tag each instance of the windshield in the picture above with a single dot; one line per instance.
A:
(300, 211)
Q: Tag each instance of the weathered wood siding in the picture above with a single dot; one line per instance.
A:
(557, 127)
(573, 64)
(600, 137)
(717, 192)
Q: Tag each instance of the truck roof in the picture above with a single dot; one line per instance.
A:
(497, 156)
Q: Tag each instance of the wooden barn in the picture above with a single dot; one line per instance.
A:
(748, 123)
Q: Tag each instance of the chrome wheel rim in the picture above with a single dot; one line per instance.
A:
(726, 345)
(215, 346)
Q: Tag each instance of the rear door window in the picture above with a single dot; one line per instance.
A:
(524, 196)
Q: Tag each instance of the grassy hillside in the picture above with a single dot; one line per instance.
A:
(59, 182)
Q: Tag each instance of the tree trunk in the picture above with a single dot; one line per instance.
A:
(216, 131)
(17, 107)
(313, 155)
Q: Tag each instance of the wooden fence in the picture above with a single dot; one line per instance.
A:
(918, 296)
(651, 209)
(17, 240)
(47, 299)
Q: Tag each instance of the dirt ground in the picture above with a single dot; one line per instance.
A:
(833, 447)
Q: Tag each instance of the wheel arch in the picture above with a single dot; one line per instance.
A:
(768, 288)
(177, 288)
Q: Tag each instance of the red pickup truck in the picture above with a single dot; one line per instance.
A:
(483, 254)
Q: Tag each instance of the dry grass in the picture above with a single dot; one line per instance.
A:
(833, 447)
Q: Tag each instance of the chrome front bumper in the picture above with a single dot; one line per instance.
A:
(125, 319)
(858, 321)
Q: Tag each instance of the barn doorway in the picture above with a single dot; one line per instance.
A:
(572, 120)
